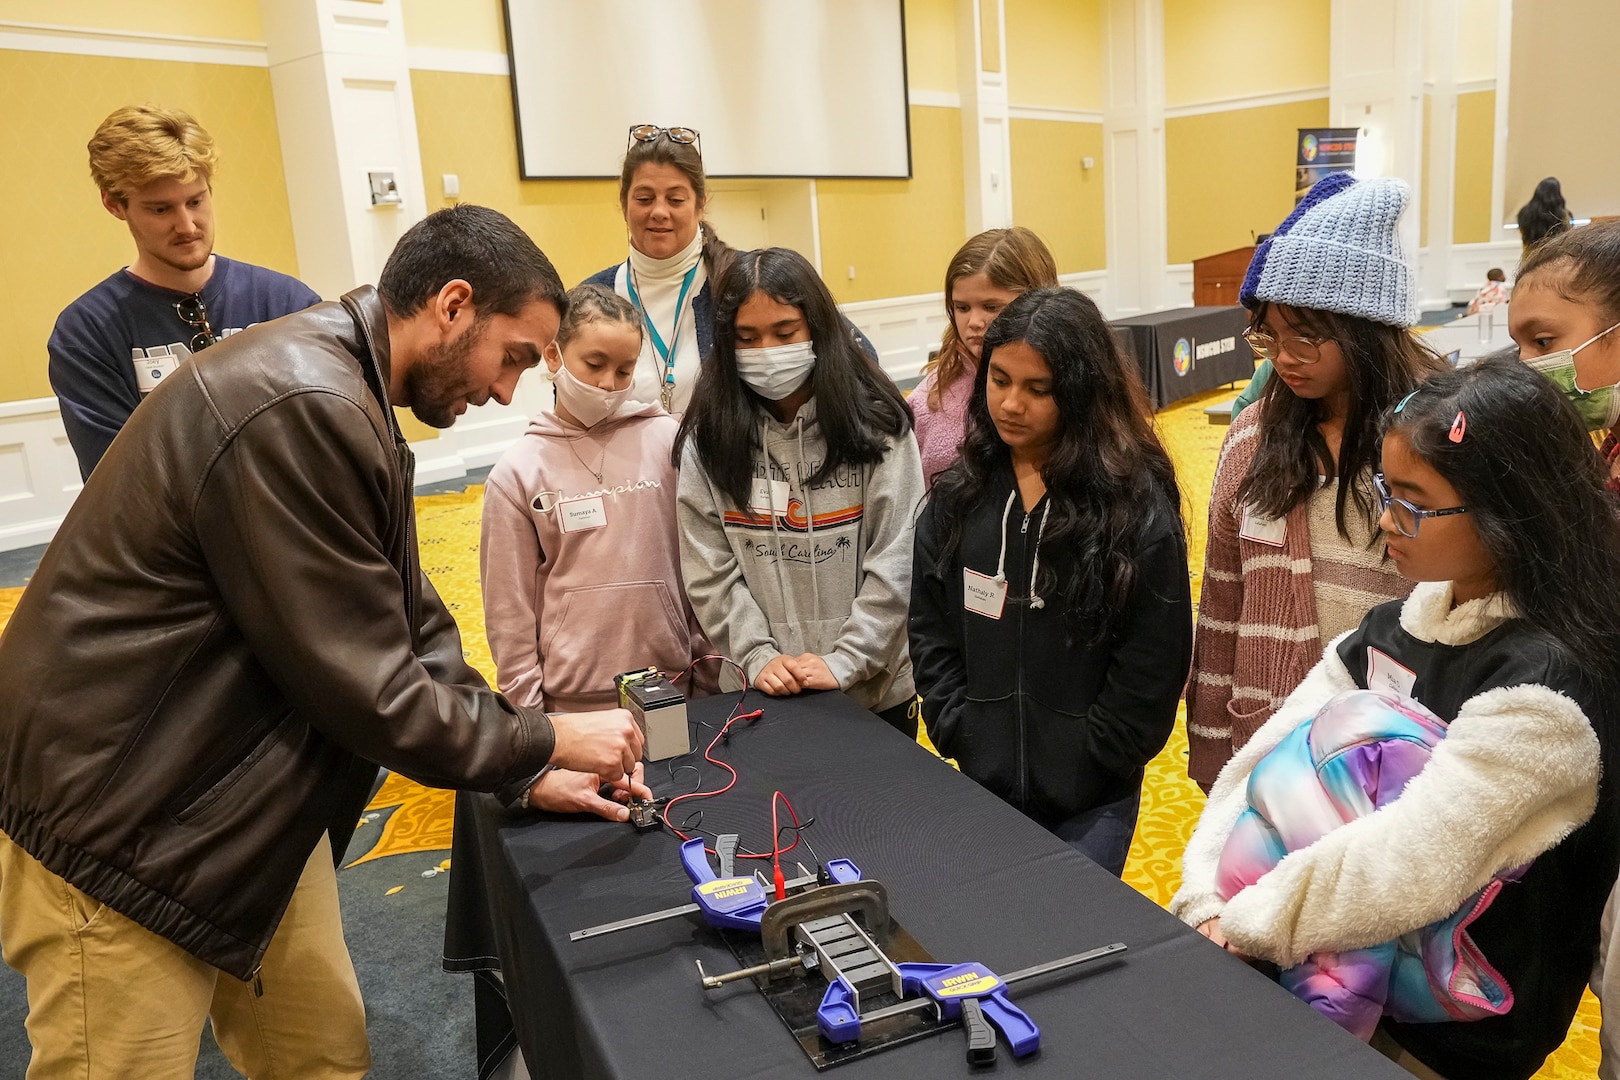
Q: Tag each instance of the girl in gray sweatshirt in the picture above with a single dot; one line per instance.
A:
(799, 485)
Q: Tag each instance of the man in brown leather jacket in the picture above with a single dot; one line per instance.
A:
(227, 636)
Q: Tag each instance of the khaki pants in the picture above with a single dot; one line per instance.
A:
(108, 998)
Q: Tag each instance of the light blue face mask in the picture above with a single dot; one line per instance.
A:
(1599, 408)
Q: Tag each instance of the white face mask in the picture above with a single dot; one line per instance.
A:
(586, 403)
(776, 372)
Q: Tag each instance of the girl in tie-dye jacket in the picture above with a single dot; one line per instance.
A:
(1352, 758)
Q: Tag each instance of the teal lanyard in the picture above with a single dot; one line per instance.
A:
(665, 353)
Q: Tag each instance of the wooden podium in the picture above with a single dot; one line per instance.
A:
(1217, 278)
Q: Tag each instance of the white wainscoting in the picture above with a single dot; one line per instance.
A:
(1466, 271)
(39, 476)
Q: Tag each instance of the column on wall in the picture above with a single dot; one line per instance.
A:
(981, 41)
(1133, 141)
(1504, 70)
(342, 89)
(1376, 83)
(1440, 183)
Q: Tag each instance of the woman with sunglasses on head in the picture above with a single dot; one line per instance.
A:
(799, 483)
(1051, 622)
(674, 255)
(985, 275)
(1292, 559)
(1494, 503)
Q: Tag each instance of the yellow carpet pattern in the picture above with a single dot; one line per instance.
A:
(449, 531)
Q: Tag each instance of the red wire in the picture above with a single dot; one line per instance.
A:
(777, 851)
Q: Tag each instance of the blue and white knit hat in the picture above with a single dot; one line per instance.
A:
(1339, 251)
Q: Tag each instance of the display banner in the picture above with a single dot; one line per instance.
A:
(1323, 151)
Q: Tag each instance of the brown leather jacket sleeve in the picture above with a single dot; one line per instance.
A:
(295, 521)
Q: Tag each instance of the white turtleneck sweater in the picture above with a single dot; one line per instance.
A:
(658, 284)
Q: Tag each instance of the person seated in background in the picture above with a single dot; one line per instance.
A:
(111, 346)
(579, 563)
(985, 275)
(1492, 294)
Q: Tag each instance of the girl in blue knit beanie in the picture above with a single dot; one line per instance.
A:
(1292, 559)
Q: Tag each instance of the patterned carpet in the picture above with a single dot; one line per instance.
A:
(449, 527)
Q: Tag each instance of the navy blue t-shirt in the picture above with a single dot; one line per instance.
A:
(123, 337)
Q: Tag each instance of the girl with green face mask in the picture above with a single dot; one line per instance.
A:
(1565, 307)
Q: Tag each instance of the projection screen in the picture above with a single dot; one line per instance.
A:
(783, 88)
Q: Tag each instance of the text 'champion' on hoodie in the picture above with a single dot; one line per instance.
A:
(828, 573)
(565, 612)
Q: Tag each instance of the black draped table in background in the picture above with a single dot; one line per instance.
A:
(1186, 351)
(969, 877)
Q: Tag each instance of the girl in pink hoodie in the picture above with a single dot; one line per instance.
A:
(579, 559)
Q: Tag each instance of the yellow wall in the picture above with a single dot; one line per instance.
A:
(1231, 173)
(1215, 51)
(474, 25)
(1476, 39)
(464, 125)
(898, 234)
(53, 103)
(931, 45)
(1476, 144)
(1561, 105)
(1054, 196)
(236, 20)
(1054, 53)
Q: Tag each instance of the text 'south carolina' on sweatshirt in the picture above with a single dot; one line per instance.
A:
(566, 611)
(825, 570)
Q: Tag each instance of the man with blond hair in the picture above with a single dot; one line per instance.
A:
(112, 345)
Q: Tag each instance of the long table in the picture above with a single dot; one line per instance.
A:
(1186, 351)
(969, 877)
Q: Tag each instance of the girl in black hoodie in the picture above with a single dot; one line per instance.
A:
(1051, 619)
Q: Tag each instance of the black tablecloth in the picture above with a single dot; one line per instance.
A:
(970, 878)
(1167, 347)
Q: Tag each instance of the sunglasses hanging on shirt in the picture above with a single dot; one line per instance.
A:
(194, 313)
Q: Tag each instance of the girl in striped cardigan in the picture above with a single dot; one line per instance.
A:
(1292, 559)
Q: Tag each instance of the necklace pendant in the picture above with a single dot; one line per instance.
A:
(667, 396)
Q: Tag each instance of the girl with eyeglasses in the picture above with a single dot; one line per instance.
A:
(674, 255)
(1493, 501)
(1292, 560)
(985, 275)
(1051, 620)
(799, 482)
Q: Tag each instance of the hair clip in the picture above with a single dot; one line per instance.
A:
(1459, 428)
(1405, 399)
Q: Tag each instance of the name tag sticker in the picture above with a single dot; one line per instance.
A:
(768, 496)
(1262, 529)
(1384, 672)
(151, 370)
(983, 595)
(577, 515)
